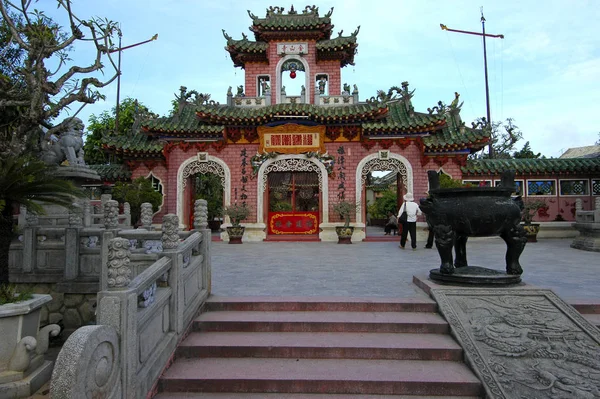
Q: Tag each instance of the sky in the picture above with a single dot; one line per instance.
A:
(544, 74)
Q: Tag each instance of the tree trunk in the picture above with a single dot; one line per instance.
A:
(6, 234)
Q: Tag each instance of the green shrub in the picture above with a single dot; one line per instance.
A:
(136, 193)
(10, 294)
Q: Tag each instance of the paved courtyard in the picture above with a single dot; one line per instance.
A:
(381, 269)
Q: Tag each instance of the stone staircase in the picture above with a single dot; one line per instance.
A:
(317, 348)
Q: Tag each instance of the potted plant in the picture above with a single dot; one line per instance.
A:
(344, 209)
(531, 207)
(237, 213)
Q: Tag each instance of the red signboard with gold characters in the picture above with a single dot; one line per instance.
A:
(293, 222)
(291, 139)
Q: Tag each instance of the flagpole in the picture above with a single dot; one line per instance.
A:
(487, 90)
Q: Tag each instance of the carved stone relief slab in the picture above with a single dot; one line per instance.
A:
(524, 343)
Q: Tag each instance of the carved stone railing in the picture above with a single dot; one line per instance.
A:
(140, 320)
(251, 101)
(83, 215)
(588, 225)
(335, 100)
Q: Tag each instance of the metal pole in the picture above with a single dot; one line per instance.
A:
(487, 89)
(119, 85)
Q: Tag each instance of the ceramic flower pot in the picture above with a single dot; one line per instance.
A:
(235, 234)
(531, 231)
(344, 234)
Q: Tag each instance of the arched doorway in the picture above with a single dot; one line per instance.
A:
(398, 180)
(203, 164)
(293, 203)
(293, 196)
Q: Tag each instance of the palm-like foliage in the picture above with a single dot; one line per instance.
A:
(30, 182)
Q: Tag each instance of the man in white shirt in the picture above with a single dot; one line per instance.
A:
(412, 211)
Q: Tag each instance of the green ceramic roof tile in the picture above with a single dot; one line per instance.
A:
(337, 44)
(399, 120)
(112, 172)
(456, 138)
(246, 46)
(532, 166)
(276, 20)
(134, 143)
(321, 114)
(185, 122)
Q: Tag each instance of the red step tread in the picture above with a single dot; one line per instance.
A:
(295, 303)
(315, 375)
(585, 305)
(321, 344)
(262, 395)
(321, 321)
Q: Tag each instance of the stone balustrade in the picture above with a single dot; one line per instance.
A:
(344, 99)
(588, 225)
(140, 319)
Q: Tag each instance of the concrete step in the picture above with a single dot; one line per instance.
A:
(321, 345)
(227, 395)
(383, 322)
(330, 304)
(340, 376)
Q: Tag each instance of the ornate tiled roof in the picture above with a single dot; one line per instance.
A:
(399, 120)
(251, 116)
(302, 26)
(245, 50)
(276, 24)
(184, 123)
(112, 172)
(579, 166)
(137, 144)
(452, 139)
(341, 48)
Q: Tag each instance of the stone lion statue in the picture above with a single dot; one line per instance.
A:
(69, 146)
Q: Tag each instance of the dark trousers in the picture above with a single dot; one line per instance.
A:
(430, 239)
(409, 227)
(389, 228)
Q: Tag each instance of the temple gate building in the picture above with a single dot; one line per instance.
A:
(291, 155)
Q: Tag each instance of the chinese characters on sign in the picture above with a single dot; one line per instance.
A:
(291, 139)
(306, 140)
(292, 48)
(244, 156)
(341, 161)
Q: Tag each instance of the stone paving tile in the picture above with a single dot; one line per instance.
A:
(381, 269)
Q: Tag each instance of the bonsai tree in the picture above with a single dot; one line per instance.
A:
(29, 182)
(530, 208)
(237, 213)
(344, 209)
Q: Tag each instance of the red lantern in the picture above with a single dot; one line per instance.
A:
(293, 75)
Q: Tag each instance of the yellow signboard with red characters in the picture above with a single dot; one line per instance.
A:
(291, 139)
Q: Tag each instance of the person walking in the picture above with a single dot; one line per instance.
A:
(410, 226)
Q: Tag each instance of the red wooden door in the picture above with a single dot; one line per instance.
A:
(294, 200)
